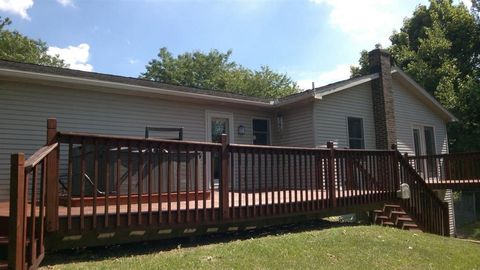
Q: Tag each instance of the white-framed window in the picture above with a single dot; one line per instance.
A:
(356, 138)
(261, 131)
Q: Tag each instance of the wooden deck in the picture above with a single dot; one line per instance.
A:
(257, 186)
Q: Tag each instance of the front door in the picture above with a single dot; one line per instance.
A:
(218, 123)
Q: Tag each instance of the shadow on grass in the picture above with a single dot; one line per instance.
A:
(151, 247)
(469, 231)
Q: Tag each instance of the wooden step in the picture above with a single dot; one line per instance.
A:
(397, 213)
(391, 206)
(408, 226)
(3, 265)
(3, 240)
(388, 223)
(403, 220)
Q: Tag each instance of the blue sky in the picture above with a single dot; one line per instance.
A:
(310, 40)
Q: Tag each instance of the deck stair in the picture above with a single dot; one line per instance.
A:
(392, 215)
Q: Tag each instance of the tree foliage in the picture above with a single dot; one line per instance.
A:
(17, 47)
(439, 46)
(215, 70)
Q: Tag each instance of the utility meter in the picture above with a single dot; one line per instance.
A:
(404, 192)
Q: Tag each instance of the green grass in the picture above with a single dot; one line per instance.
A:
(470, 231)
(355, 247)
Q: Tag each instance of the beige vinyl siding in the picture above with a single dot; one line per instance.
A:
(24, 109)
(297, 127)
(410, 110)
(331, 114)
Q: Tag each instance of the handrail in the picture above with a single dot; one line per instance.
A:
(429, 211)
(443, 155)
(272, 147)
(38, 156)
(62, 136)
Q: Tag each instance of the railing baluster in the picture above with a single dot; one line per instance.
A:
(240, 195)
(82, 186)
(260, 203)
(69, 187)
(187, 184)
(95, 185)
(106, 182)
(212, 182)
(33, 208)
(232, 185)
(160, 182)
(41, 216)
(129, 188)
(169, 184)
(119, 150)
(139, 183)
(204, 185)
(196, 184)
(149, 182)
(295, 180)
(272, 185)
(247, 205)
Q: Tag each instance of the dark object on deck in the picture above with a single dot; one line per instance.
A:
(159, 129)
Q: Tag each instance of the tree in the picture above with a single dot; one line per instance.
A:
(17, 47)
(216, 71)
(439, 47)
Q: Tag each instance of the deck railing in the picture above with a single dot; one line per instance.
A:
(29, 203)
(459, 169)
(111, 181)
(424, 206)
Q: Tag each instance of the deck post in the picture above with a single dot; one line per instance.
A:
(225, 177)
(396, 170)
(331, 175)
(17, 227)
(51, 202)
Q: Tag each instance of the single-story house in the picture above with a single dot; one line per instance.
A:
(371, 112)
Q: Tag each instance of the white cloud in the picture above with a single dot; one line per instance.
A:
(340, 72)
(18, 7)
(65, 3)
(132, 61)
(367, 21)
(75, 56)
(467, 3)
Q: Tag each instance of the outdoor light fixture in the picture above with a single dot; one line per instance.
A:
(241, 130)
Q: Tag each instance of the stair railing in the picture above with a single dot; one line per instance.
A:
(29, 203)
(424, 206)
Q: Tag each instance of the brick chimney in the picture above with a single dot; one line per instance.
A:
(382, 97)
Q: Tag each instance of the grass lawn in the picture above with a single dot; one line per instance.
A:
(470, 231)
(351, 247)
